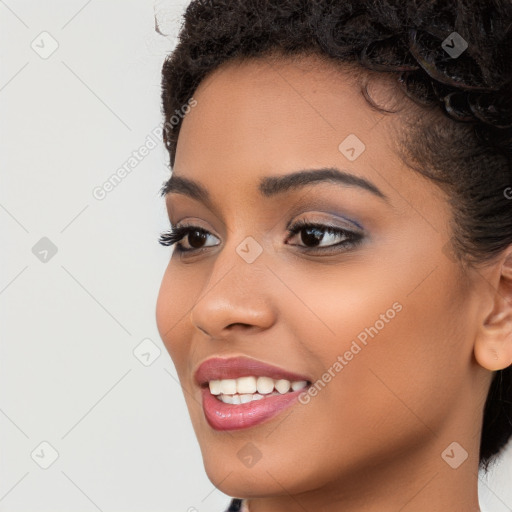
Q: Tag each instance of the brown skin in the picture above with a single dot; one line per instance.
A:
(372, 438)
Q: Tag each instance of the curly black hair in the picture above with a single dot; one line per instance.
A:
(452, 58)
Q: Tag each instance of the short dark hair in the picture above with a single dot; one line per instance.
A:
(467, 151)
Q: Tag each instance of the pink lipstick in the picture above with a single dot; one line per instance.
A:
(240, 392)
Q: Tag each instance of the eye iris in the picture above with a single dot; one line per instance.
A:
(313, 236)
(200, 235)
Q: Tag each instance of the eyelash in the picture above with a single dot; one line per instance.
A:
(176, 234)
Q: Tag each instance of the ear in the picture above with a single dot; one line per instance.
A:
(493, 344)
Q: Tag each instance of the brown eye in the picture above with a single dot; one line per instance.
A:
(320, 236)
(311, 236)
(196, 238)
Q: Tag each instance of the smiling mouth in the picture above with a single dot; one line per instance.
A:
(251, 388)
(241, 392)
(225, 408)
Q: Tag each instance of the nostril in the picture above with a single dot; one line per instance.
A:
(238, 323)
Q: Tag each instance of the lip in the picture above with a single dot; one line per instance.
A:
(222, 416)
(217, 368)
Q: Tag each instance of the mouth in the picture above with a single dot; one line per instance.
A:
(241, 392)
(249, 388)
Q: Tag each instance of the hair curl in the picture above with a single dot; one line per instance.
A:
(463, 139)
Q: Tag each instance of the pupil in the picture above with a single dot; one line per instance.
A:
(314, 236)
(200, 235)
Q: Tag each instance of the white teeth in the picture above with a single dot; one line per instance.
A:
(245, 389)
(228, 386)
(283, 386)
(265, 385)
(215, 387)
(246, 385)
(227, 399)
(239, 399)
(247, 398)
(299, 384)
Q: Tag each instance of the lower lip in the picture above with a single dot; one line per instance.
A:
(221, 416)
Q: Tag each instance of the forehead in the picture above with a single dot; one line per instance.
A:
(260, 119)
(267, 114)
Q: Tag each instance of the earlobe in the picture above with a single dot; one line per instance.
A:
(493, 355)
(493, 345)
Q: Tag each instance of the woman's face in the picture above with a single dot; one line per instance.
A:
(384, 327)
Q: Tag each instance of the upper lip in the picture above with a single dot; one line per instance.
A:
(218, 368)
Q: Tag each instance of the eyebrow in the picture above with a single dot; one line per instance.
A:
(270, 186)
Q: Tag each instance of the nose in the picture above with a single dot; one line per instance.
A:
(237, 296)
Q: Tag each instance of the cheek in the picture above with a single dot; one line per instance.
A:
(407, 362)
(175, 300)
(405, 350)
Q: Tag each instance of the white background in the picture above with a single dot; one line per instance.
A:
(70, 324)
